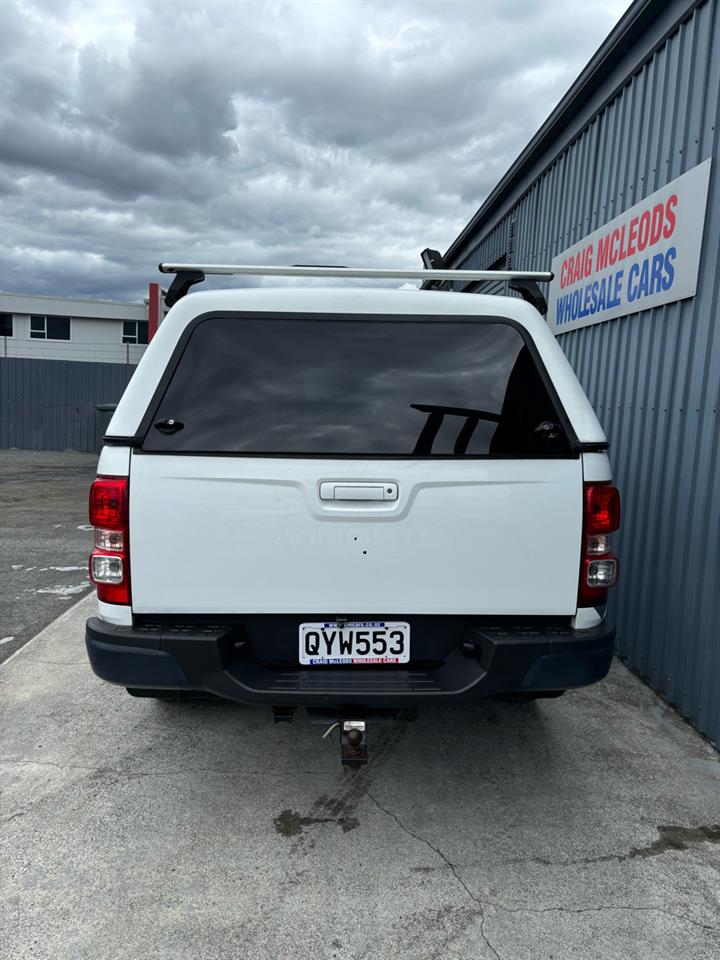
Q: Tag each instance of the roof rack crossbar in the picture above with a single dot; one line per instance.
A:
(367, 273)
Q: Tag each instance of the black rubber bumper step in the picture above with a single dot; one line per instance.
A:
(359, 680)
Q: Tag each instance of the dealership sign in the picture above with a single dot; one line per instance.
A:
(647, 256)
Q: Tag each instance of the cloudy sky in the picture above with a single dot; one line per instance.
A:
(354, 132)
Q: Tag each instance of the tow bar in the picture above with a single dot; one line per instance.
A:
(353, 743)
(353, 733)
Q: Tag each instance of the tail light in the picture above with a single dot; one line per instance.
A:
(599, 566)
(110, 558)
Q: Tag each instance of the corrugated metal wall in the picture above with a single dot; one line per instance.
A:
(653, 377)
(50, 404)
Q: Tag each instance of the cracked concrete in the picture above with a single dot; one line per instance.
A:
(585, 828)
(449, 863)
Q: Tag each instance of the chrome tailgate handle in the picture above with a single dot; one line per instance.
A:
(345, 490)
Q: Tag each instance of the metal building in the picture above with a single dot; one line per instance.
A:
(644, 112)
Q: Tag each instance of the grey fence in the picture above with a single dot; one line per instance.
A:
(50, 404)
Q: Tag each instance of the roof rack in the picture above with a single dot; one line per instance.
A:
(187, 274)
(527, 287)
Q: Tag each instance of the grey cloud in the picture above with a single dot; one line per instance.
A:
(78, 158)
(280, 132)
(157, 106)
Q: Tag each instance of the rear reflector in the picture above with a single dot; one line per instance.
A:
(109, 561)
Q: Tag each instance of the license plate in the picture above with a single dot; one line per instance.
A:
(355, 642)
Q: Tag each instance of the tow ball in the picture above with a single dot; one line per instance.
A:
(353, 743)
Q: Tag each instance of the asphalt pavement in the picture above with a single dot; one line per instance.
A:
(582, 828)
(44, 539)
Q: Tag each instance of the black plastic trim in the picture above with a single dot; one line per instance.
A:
(181, 283)
(531, 293)
(114, 441)
(263, 455)
(597, 447)
(432, 259)
(462, 660)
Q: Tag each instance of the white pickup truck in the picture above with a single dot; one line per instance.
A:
(349, 499)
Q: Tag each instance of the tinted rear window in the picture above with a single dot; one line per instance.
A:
(345, 386)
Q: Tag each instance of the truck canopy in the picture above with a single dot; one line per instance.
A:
(140, 400)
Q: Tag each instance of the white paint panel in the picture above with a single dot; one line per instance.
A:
(596, 466)
(251, 535)
(586, 618)
(114, 462)
(115, 613)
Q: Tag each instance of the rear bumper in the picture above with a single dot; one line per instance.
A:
(478, 660)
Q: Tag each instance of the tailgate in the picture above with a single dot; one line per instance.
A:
(355, 465)
(469, 537)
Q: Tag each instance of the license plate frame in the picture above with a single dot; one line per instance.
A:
(354, 643)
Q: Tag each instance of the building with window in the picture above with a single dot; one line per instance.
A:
(55, 328)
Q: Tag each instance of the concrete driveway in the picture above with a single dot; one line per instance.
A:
(44, 539)
(584, 827)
